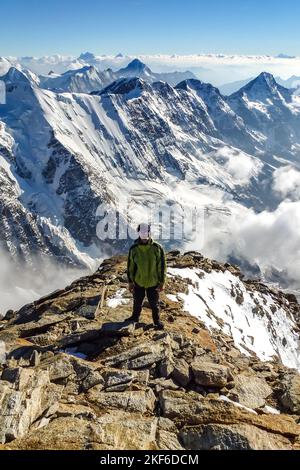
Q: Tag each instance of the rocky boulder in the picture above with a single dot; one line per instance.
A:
(291, 396)
(250, 391)
(209, 374)
(25, 397)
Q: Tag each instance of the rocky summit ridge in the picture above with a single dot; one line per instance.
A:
(74, 375)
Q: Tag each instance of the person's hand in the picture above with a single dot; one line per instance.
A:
(131, 287)
(161, 287)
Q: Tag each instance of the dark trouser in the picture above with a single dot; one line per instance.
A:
(153, 299)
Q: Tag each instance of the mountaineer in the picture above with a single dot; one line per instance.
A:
(146, 271)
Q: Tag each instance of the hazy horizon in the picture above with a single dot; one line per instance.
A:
(217, 69)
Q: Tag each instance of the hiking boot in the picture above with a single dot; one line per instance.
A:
(159, 325)
(131, 320)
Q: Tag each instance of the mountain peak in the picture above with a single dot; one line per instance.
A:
(266, 78)
(136, 64)
(21, 76)
(262, 87)
(134, 69)
(195, 84)
(87, 56)
(285, 56)
(198, 86)
(264, 81)
(15, 74)
(189, 83)
(85, 69)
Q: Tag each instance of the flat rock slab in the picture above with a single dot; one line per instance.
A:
(139, 401)
(233, 437)
(190, 409)
(117, 430)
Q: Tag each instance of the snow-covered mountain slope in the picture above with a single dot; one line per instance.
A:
(272, 111)
(64, 154)
(229, 125)
(89, 79)
(84, 80)
(52, 184)
(27, 234)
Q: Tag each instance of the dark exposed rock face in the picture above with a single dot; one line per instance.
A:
(75, 381)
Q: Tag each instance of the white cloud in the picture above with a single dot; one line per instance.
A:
(269, 239)
(286, 182)
(238, 164)
(20, 285)
(227, 68)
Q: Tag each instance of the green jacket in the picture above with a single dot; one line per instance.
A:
(146, 265)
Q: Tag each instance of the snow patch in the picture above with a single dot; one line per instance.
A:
(253, 320)
(224, 398)
(117, 300)
(271, 410)
(172, 297)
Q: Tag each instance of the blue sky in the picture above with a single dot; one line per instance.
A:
(36, 27)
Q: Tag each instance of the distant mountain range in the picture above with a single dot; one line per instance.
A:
(73, 141)
(89, 78)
